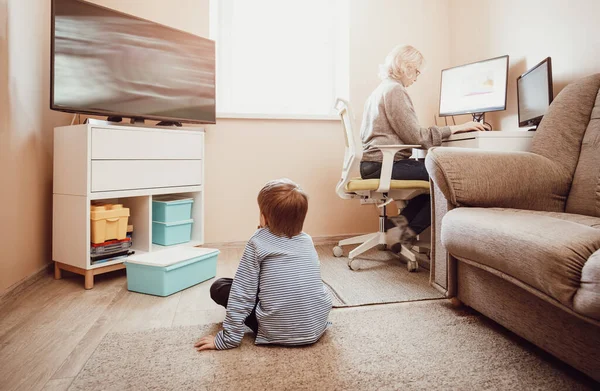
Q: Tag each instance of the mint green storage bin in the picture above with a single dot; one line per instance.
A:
(171, 208)
(168, 234)
(164, 272)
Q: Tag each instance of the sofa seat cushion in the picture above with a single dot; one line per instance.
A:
(549, 251)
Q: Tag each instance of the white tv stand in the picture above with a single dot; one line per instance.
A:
(126, 165)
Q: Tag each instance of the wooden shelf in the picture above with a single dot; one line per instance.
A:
(143, 192)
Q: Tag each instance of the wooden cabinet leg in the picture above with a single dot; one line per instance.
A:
(89, 279)
(57, 272)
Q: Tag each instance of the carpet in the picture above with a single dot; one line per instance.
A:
(409, 346)
(381, 279)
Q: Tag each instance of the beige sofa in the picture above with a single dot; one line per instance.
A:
(517, 234)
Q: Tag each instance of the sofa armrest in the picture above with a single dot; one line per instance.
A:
(521, 180)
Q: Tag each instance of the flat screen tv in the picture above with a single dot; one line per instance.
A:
(474, 88)
(113, 64)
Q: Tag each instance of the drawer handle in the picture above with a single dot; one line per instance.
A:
(113, 219)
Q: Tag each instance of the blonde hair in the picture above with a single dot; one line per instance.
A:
(284, 205)
(403, 60)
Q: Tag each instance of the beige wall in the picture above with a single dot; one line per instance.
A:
(188, 15)
(528, 31)
(243, 154)
(26, 126)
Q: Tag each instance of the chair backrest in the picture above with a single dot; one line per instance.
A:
(353, 153)
(569, 135)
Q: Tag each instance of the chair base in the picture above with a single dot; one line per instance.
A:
(367, 242)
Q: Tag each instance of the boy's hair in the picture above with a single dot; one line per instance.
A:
(284, 205)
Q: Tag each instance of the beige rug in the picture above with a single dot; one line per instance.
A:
(382, 278)
(410, 346)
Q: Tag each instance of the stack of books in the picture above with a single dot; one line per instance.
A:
(111, 250)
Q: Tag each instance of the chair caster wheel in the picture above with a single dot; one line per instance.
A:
(412, 266)
(337, 251)
(353, 264)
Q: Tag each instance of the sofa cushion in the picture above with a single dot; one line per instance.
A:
(545, 250)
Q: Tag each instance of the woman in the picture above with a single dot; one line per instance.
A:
(390, 119)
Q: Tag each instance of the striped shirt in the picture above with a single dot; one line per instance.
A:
(285, 274)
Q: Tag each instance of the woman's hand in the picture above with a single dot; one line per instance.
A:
(205, 343)
(470, 126)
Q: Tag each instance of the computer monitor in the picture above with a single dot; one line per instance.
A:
(534, 93)
(474, 88)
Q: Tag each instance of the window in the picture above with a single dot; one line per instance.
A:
(280, 59)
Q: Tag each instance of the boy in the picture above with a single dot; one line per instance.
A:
(277, 290)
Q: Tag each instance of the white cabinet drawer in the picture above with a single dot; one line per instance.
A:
(146, 144)
(116, 175)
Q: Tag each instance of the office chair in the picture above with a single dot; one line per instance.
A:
(380, 192)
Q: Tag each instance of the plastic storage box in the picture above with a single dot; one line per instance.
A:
(108, 222)
(168, 209)
(164, 272)
(168, 234)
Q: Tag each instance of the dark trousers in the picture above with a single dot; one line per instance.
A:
(219, 292)
(418, 210)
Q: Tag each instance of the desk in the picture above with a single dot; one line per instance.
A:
(504, 140)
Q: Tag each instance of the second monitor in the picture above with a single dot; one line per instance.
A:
(474, 88)
(534, 93)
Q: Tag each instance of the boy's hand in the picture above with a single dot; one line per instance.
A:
(205, 343)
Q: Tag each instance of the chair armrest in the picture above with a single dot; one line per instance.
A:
(479, 178)
(389, 151)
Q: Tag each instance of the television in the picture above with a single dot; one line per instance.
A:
(108, 63)
(474, 88)
(534, 93)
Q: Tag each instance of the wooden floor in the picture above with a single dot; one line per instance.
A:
(50, 329)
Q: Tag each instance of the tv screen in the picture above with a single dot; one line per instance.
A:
(534, 93)
(109, 63)
(479, 87)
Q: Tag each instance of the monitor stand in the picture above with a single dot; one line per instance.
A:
(169, 123)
